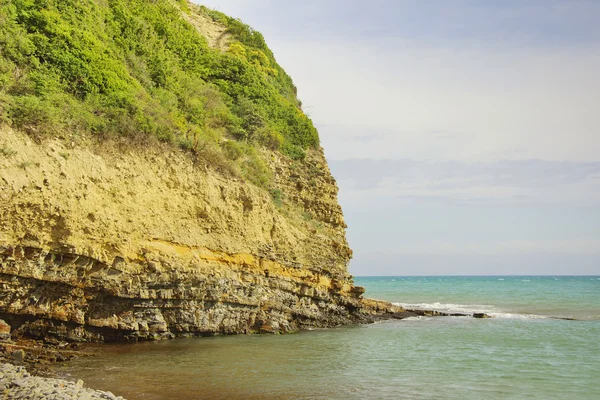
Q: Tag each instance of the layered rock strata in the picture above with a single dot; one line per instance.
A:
(111, 242)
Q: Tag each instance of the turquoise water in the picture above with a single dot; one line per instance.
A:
(502, 296)
(521, 353)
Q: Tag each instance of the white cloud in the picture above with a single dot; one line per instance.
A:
(494, 103)
(383, 263)
(514, 247)
(507, 182)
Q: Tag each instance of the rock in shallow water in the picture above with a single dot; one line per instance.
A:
(429, 313)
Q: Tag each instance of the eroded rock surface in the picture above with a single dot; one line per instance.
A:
(101, 243)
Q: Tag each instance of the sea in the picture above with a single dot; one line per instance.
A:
(525, 351)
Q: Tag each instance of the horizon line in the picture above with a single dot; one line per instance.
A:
(475, 275)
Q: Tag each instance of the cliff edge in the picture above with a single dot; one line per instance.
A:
(151, 218)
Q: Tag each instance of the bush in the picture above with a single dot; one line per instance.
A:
(7, 152)
(269, 138)
(232, 150)
(277, 197)
(255, 170)
(294, 152)
(32, 114)
(209, 155)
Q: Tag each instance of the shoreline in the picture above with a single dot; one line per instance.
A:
(28, 367)
(28, 371)
(31, 369)
(16, 382)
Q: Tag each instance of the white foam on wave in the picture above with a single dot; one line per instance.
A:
(452, 308)
(515, 316)
(449, 307)
(419, 318)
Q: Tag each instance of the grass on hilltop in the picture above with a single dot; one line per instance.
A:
(138, 69)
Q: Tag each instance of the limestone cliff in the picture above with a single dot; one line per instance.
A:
(222, 219)
(98, 243)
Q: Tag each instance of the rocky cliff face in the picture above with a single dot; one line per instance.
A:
(111, 242)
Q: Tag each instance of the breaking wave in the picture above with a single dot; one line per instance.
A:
(451, 308)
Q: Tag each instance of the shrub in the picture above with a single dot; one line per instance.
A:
(208, 154)
(294, 152)
(232, 150)
(33, 114)
(26, 164)
(277, 197)
(269, 138)
(306, 216)
(255, 170)
(7, 152)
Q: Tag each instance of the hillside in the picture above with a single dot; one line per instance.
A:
(158, 178)
(145, 70)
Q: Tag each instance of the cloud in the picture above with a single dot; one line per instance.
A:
(402, 264)
(518, 173)
(492, 103)
(501, 182)
(508, 246)
(440, 20)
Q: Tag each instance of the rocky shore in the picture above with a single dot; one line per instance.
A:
(90, 254)
(26, 369)
(17, 383)
(32, 376)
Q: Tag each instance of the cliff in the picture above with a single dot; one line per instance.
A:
(222, 225)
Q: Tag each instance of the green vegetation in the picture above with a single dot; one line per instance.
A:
(26, 164)
(277, 196)
(138, 69)
(7, 152)
(306, 216)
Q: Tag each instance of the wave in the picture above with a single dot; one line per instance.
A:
(417, 318)
(516, 316)
(452, 308)
(449, 307)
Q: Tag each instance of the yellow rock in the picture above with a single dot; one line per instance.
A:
(144, 242)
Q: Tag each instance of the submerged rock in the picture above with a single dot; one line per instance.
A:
(432, 313)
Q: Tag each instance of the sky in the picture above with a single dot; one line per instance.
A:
(464, 135)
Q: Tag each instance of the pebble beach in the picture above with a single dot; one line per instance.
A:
(17, 383)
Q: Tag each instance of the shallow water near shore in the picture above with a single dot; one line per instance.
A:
(520, 353)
